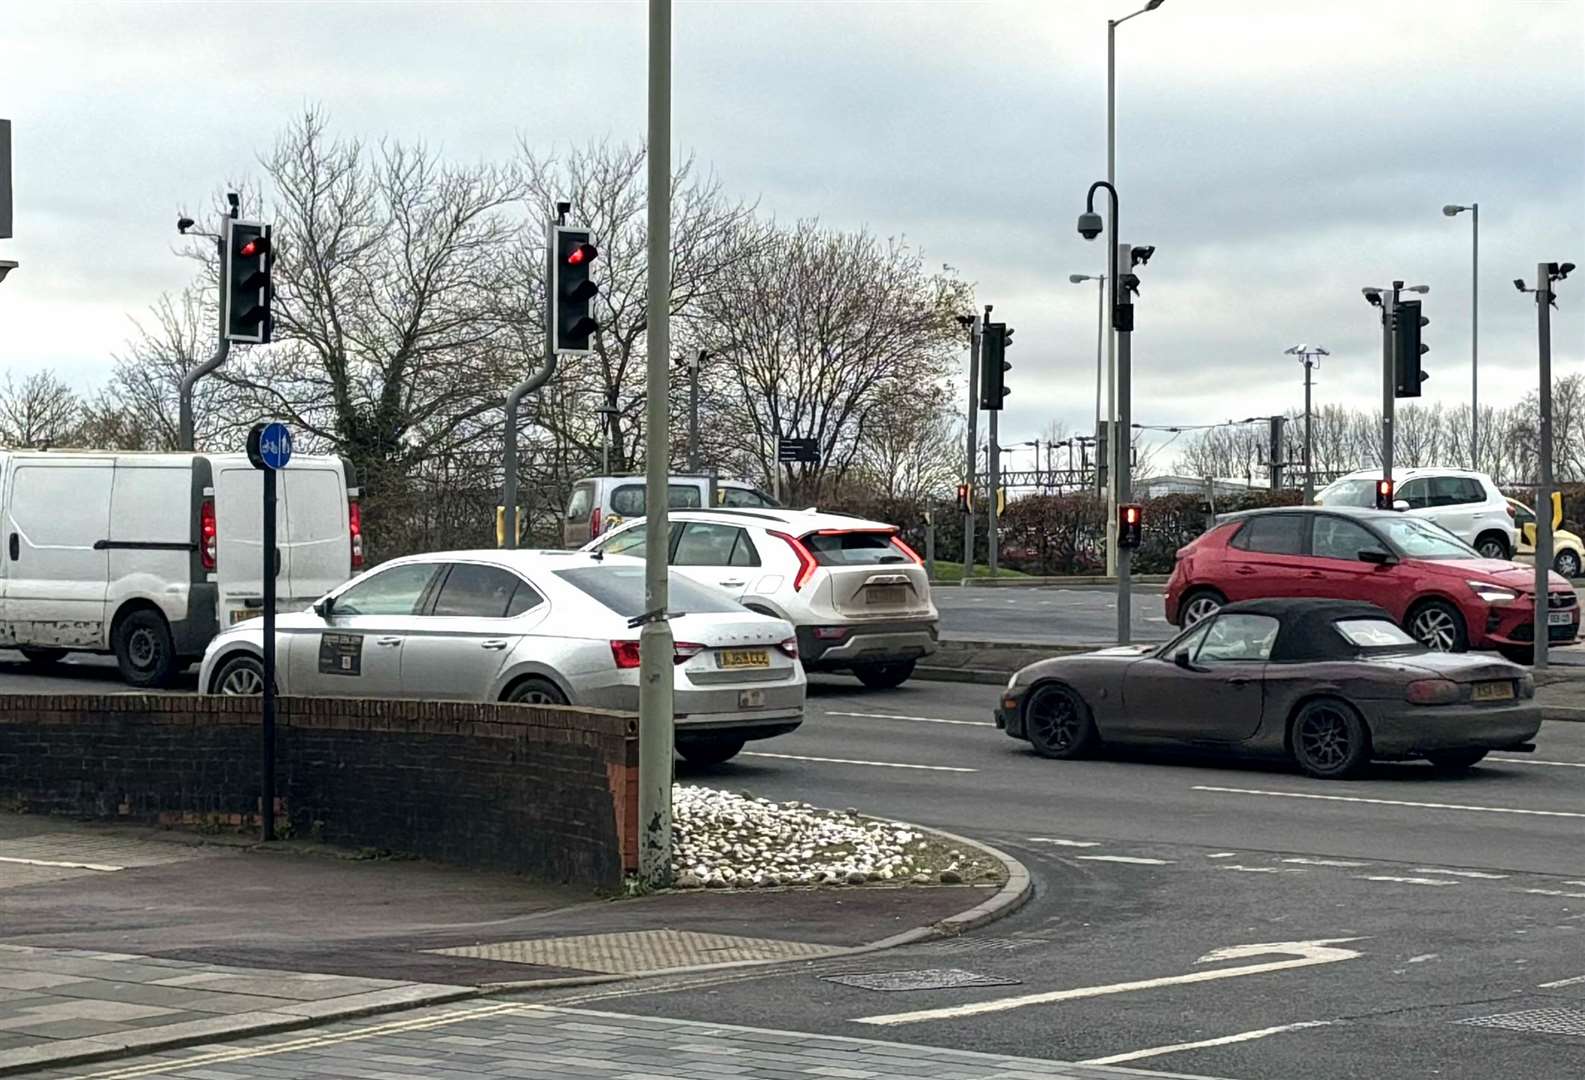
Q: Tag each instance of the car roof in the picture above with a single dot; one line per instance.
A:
(1304, 630)
(524, 559)
(1366, 512)
(1412, 473)
(798, 521)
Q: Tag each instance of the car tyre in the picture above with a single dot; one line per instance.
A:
(240, 676)
(885, 676)
(144, 649)
(714, 750)
(1058, 723)
(535, 692)
(1567, 563)
(1438, 626)
(1493, 546)
(1329, 740)
(1198, 605)
(1454, 760)
(43, 658)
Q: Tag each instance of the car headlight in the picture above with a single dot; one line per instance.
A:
(1492, 594)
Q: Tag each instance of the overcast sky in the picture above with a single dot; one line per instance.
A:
(1280, 154)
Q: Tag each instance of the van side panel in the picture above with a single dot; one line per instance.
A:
(150, 539)
(57, 519)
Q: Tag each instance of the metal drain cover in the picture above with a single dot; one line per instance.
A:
(1540, 1021)
(928, 979)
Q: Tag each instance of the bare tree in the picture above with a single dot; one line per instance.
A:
(38, 411)
(141, 404)
(911, 453)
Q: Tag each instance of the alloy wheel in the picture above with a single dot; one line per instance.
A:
(1324, 739)
(1434, 628)
(1567, 563)
(534, 696)
(1492, 549)
(1054, 721)
(243, 680)
(1201, 607)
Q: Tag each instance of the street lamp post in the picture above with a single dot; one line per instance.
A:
(1453, 210)
(1307, 356)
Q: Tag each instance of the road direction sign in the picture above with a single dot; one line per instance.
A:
(798, 450)
(270, 445)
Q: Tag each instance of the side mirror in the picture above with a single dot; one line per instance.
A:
(1377, 556)
(1181, 658)
(325, 607)
(1400, 504)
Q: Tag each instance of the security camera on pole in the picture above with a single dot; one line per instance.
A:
(1129, 514)
(1546, 274)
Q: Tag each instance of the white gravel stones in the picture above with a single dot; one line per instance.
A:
(721, 839)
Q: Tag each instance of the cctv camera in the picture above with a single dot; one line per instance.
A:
(1518, 283)
(1373, 295)
(1131, 283)
(1141, 255)
(183, 224)
(1089, 225)
(1565, 270)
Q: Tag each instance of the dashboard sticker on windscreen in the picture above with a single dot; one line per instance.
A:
(341, 654)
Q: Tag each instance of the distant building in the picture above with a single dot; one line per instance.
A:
(1156, 486)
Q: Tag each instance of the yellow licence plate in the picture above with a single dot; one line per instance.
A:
(1493, 691)
(743, 658)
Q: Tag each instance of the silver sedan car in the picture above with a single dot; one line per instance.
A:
(537, 627)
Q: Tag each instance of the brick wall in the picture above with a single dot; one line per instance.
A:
(550, 792)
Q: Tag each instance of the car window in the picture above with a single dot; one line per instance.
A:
(1418, 538)
(1349, 493)
(1374, 634)
(706, 543)
(1522, 515)
(742, 497)
(1417, 493)
(580, 502)
(1188, 643)
(626, 542)
(1446, 491)
(1337, 538)
(621, 589)
(683, 497)
(853, 548)
(1235, 638)
(524, 599)
(628, 500)
(1474, 491)
(1273, 534)
(482, 592)
(395, 591)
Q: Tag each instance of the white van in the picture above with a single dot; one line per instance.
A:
(145, 556)
(600, 503)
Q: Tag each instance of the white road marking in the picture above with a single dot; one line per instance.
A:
(1325, 862)
(1406, 880)
(1574, 883)
(1575, 981)
(1423, 957)
(915, 719)
(1221, 855)
(1391, 802)
(1063, 843)
(1130, 859)
(1263, 869)
(1459, 873)
(65, 865)
(1556, 892)
(1533, 761)
(1306, 954)
(1225, 1040)
(851, 761)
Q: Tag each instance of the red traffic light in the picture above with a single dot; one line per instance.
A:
(1130, 515)
(581, 254)
(253, 246)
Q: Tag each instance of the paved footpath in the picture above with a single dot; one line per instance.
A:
(530, 1042)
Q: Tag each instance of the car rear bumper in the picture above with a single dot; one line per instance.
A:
(1411, 730)
(777, 704)
(867, 643)
(748, 726)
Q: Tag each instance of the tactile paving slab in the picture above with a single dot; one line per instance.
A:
(642, 950)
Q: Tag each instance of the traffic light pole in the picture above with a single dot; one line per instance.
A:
(993, 533)
(1121, 433)
(974, 415)
(1389, 306)
(514, 400)
(184, 394)
(1543, 494)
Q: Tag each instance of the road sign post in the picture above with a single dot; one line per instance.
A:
(269, 450)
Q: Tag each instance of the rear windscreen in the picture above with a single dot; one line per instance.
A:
(853, 548)
(621, 588)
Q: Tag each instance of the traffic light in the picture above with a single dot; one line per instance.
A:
(247, 277)
(997, 339)
(572, 292)
(1384, 494)
(1407, 349)
(1130, 525)
(965, 499)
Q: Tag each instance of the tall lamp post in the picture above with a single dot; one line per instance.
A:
(1453, 210)
(1112, 498)
(1100, 336)
(1307, 355)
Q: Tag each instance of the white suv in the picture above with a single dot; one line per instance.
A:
(858, 595)
(1466, 504)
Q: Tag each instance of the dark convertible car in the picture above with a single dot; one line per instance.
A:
(1330, 684)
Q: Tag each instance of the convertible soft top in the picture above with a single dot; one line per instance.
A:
(1305, 630)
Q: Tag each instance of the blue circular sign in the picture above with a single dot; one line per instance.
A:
(275, 445)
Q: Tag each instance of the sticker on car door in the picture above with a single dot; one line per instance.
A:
(341, 654)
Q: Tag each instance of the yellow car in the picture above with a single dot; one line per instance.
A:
(1568, 551)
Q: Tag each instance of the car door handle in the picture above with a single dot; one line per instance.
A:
(1239, 680)
(1245, 570)
(733, 584)
(388, 641)
(494, 643)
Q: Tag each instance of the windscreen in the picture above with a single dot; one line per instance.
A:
(1421, 539)
(1357, 492)
(621, 588)
(853, 548)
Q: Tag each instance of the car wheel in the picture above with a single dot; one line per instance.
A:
(1454, 760)
(711, 751)
(144, 650)
(1492, 546)
(1058, 724)
(43, 658)
(240, 676)
(1567, 563)
(884, 676)
(535, 692)
(1199, 605)
(1438, 626)
(1330, 741)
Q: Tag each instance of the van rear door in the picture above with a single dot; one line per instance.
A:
(315, 540)
(57, 520)
(239, 528)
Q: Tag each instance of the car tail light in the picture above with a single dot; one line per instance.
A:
(1511, 512)
(208, 534)
(684, 651)
(355, 527)
(594, 523)
(1432, 692)
(626, 653)
(831, 633)
(806, 561)
(790, 647)
(897, 542)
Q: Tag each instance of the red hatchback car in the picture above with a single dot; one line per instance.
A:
(1436, 586)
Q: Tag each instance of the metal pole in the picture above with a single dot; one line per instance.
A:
(605, 441)
(1122, 465)
(974, 450)
(930, 544)
(1309, 469)
(993, 534)
(1474, 339)
(513, 401)
(184, 393)
(270, 568)
(1111, 338)
(1543, 494)
(1100, 336)
(1389, 304)
(693, 410)
(655, 739)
